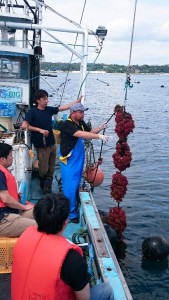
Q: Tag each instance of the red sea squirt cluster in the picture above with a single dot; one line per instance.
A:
(122, 159)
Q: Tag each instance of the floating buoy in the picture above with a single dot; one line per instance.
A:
(94, 176)
(155, 248)
(111, 233)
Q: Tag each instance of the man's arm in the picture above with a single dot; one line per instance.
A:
(11, 202)
(90, 135)
(86, 135)
(99, 128)
(25, 126)
(96, 130)
(84, 294)
(67, 106)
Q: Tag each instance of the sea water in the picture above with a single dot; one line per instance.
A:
(146, 202)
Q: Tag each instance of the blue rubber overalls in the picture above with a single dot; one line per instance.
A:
(71, 174)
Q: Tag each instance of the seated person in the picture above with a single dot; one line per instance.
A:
(14, 216)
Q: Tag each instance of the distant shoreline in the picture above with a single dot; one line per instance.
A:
(54, 73)
(47, 67)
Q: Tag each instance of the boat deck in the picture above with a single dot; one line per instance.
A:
(102, 262)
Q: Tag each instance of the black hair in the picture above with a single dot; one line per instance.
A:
(5, 149)
(40, 94)
(50, 213)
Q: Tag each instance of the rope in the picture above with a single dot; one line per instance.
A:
(104, 133)
(89, 71)
(54, 11)
(129, 68)
(100, 44)
(131, 45)
(100, 155)
(72, 55)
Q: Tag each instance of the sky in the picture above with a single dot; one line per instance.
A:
(151, 30)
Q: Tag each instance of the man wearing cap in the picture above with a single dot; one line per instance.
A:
(39, 121)
(72, 153)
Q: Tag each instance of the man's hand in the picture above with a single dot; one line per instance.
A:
(103, 137)
(44, 132)
(79, 99)
(28, 206)
(103, 126)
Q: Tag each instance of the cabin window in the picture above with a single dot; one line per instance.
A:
(13, 67)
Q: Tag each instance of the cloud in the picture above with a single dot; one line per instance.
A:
(151, 30)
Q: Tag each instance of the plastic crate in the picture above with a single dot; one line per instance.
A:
(6, 247)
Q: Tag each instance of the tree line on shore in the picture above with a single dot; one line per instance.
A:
(112, 68)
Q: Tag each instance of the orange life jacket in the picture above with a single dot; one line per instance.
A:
(11, 185)
(37, 263)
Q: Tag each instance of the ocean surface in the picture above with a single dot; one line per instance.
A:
(146, 202)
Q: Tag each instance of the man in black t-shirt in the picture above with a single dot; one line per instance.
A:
(73, 132)
(39, 121)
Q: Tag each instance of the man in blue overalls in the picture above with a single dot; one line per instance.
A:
(73, 132)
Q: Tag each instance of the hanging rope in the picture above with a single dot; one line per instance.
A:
(100, 44)
(131, 45)
(91, 152)
(129, 68)
(122, 157)
(72, 55)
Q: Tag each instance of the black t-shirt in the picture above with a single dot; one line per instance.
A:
(3, 187)
(74, 271)
(68, 129)
(41, 119)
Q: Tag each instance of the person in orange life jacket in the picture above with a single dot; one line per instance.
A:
(14, 216)
(72, 154)
(53, 267)
(39, 121)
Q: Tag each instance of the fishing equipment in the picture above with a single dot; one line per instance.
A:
(111, 233)
(94, 175)
(103, 82)
(122, 157)
(155, 247)
(91, 169)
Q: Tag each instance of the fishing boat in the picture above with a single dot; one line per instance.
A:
(21, 52)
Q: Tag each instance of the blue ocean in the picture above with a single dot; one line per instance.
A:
(146, 202)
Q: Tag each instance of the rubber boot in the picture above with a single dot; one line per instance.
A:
(42, 182)
(47, 185)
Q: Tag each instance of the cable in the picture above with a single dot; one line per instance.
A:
(54, 11)
(129, 68)
(72, 55)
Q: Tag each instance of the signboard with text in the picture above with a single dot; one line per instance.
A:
(10, 94)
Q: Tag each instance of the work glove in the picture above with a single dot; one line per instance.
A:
(103, 137)
(103, 125)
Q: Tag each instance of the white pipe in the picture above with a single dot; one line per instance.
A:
(36, 26)
(64, 45)
(51, 86)
(83, 68)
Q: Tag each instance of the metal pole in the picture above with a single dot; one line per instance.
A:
(83, 68)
